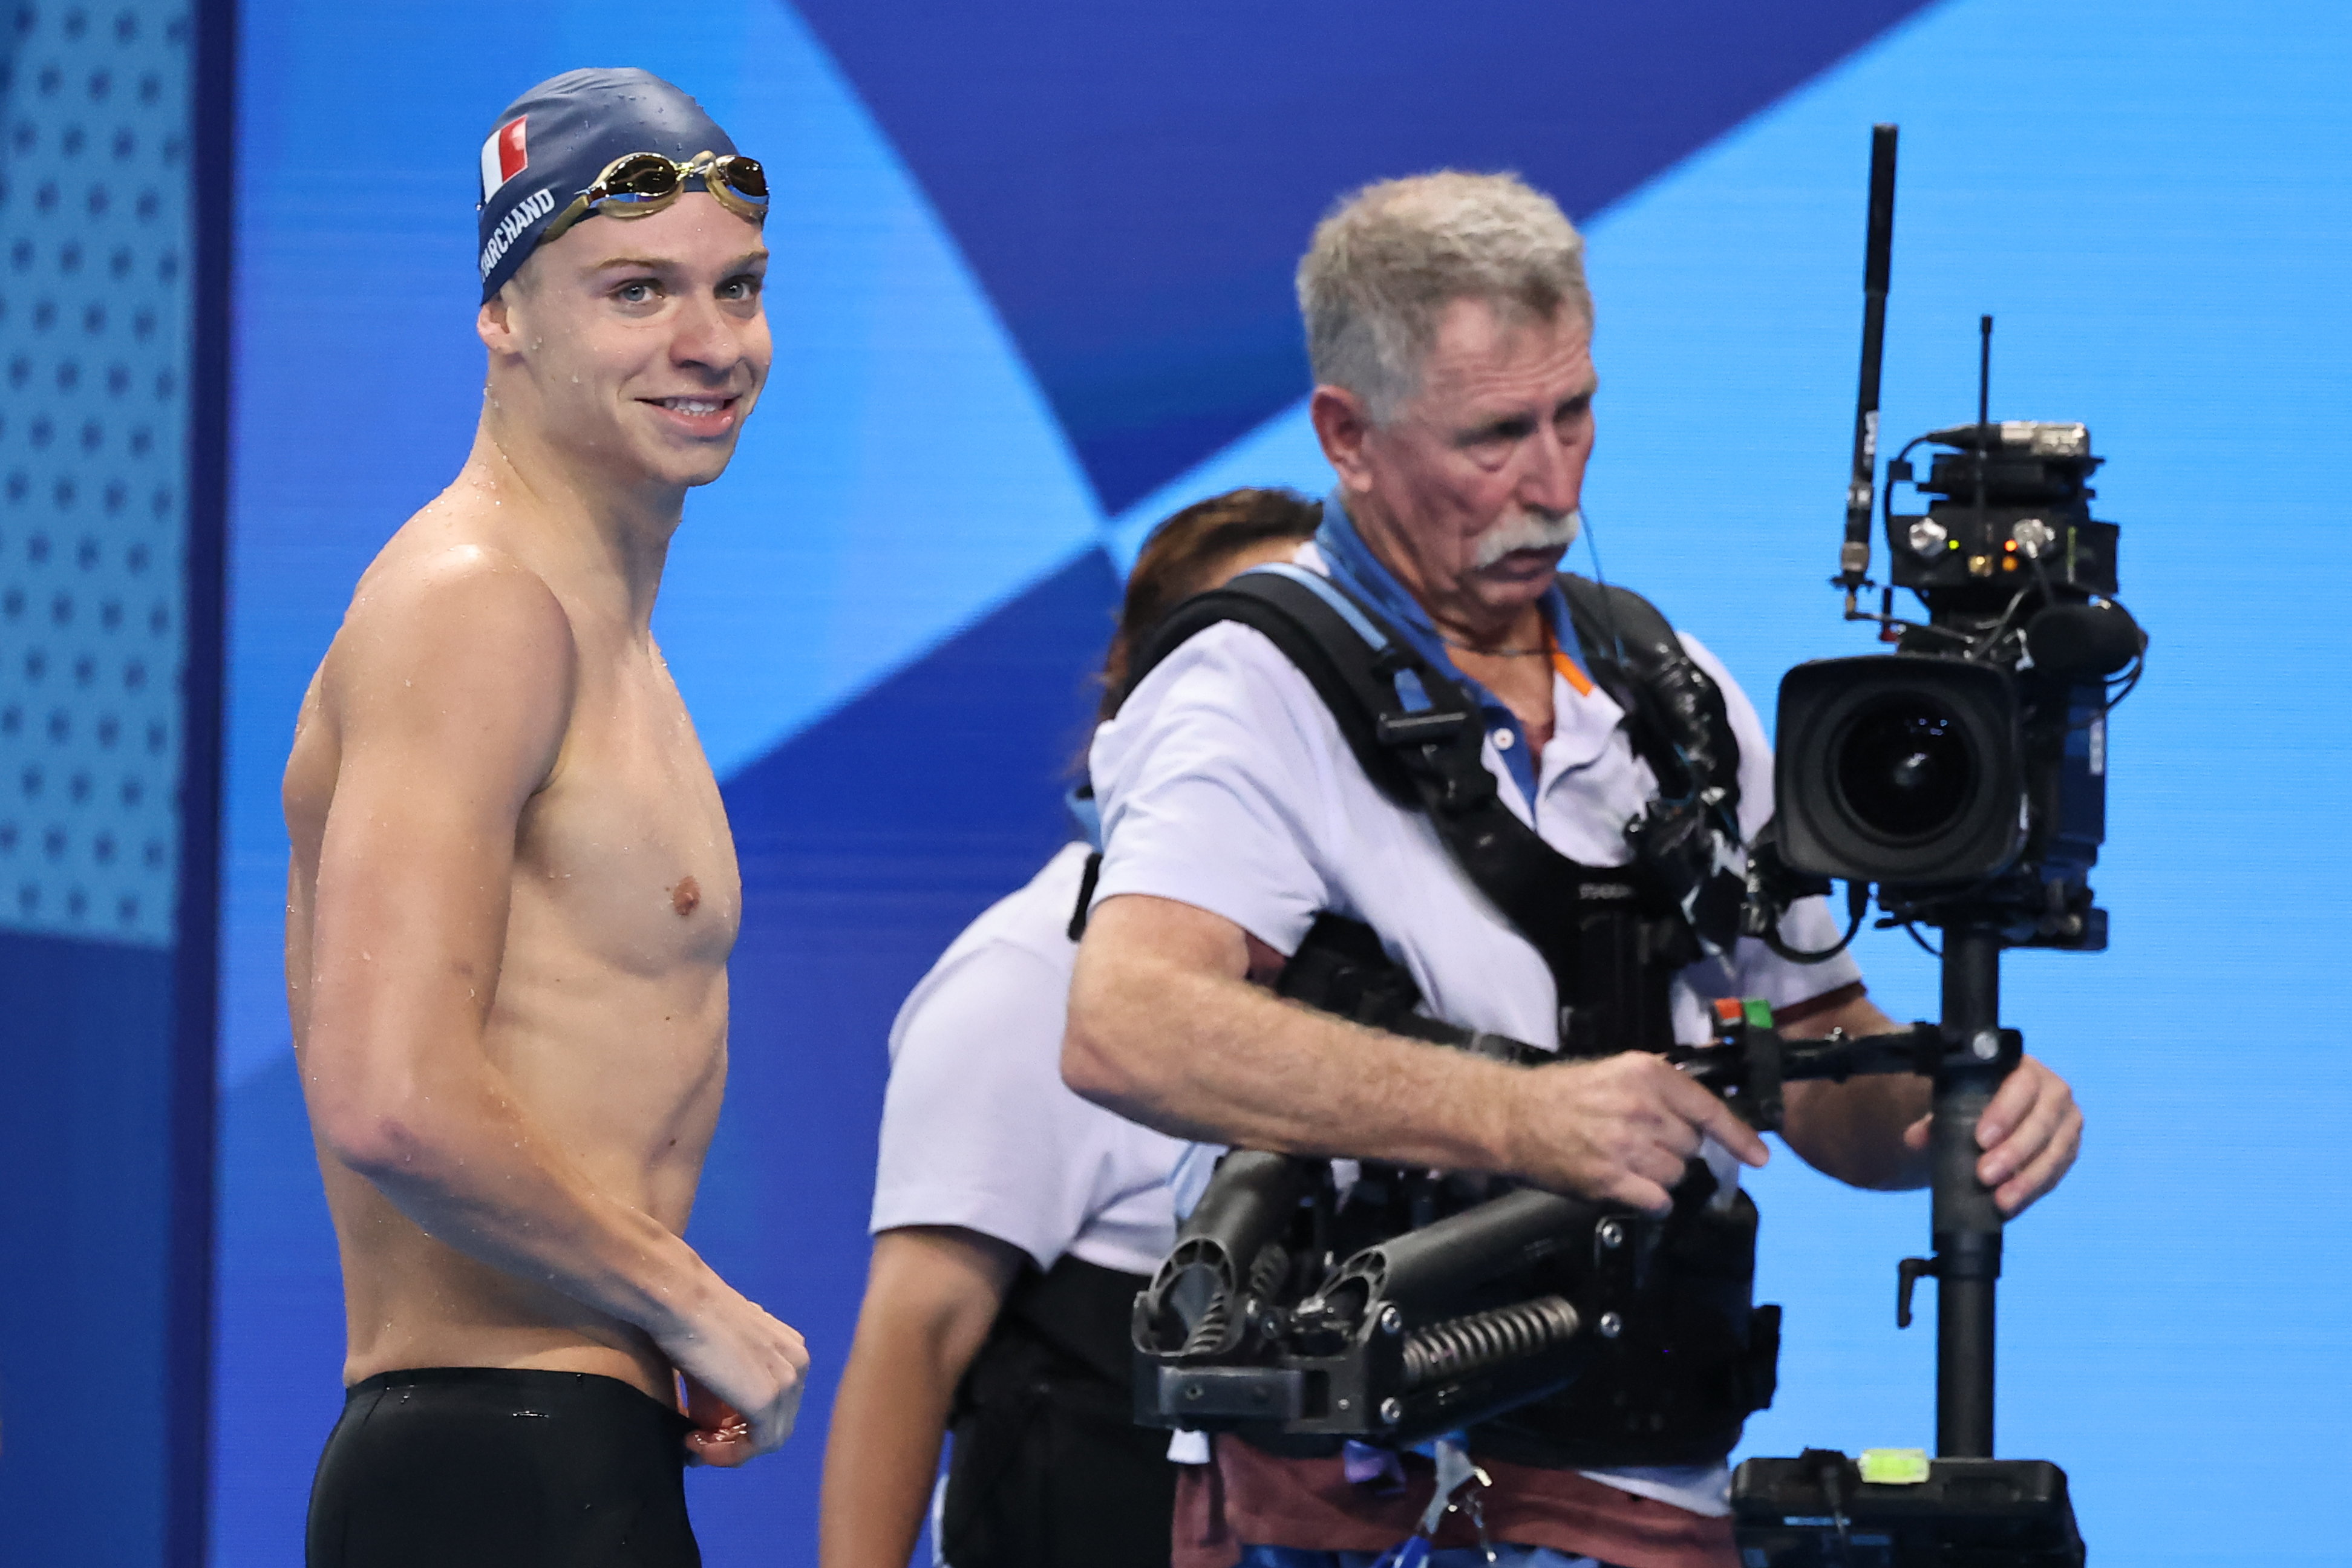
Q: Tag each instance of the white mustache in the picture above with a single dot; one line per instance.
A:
(1529, 530)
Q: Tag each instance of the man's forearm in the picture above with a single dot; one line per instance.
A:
(1164, 1030)
(1854, 1131)
(1165, 1040)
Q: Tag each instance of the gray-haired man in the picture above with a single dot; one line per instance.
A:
(1450, 332)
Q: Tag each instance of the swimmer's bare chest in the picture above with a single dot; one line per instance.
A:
(611, 1013)
(607, 1019)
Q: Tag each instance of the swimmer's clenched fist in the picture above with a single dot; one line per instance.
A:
(514, 890)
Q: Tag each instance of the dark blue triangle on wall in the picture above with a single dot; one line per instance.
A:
(1133, 185)
(868, 842)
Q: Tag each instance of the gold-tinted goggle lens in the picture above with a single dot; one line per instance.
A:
(647, 182)
(639, 185)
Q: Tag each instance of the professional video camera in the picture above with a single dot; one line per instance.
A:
(1962, 776)
(1967, 772)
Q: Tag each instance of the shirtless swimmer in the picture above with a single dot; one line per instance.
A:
(514, 892)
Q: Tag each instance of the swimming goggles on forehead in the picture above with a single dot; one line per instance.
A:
(639, 185)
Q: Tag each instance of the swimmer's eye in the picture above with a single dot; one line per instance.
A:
(742, 289)
(637, 291)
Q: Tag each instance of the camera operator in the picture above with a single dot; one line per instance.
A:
(1449, 330)
(1014, 1222)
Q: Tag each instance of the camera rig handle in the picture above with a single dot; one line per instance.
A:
(1443, 1326)
(1248, 1324)
(1749, 1061)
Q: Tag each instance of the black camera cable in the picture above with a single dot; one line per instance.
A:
(1858, 905)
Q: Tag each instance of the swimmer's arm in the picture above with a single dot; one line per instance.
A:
(450, 699)
(932, 1297)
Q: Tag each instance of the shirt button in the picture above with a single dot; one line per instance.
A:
(1504, 739)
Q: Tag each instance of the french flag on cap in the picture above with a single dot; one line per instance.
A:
(503, 156)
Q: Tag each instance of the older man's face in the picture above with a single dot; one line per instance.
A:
(1476, 473)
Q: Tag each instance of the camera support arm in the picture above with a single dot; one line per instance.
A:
(1966, 1057)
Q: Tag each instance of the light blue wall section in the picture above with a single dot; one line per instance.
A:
(2150, 200)
(902, 473)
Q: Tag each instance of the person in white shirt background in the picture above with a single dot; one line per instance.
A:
(1014, 1222)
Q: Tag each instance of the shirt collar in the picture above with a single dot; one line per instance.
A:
(1356, 568)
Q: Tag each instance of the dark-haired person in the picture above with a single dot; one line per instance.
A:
(1014, 1222)
(514, 892)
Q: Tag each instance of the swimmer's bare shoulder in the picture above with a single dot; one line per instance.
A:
(510, 903)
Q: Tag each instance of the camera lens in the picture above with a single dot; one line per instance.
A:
(1902, 767)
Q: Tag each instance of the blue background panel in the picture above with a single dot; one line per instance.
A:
(1133, 183)
(1031, 296)
(86, 1293)
(95, 324)
(104, 1066)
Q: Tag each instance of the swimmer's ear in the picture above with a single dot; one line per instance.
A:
(495, 325)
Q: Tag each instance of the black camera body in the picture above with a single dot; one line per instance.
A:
(1969, 767)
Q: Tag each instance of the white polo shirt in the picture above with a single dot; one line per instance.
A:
(978, 1129)
(1225, 784)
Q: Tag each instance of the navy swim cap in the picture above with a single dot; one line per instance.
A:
(552, 141)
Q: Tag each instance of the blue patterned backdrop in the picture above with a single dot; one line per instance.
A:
(1032, 292)
(111, 230)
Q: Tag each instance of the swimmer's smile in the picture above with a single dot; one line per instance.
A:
(704, 416)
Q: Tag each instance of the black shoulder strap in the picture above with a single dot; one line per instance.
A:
(1351, 671)
(1419, 738)
(1674, 713)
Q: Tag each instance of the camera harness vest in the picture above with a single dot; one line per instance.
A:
(1612, 938)
(1676, 1391)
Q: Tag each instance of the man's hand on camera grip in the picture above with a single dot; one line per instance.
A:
(2030, 1133)
(1620, 1130)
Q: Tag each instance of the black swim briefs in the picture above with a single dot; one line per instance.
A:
(459, 1467)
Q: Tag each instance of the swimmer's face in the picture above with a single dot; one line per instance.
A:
(639, 344)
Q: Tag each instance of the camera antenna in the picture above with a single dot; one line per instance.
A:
(1861, 499)
(1984, 377)
(1984, 409)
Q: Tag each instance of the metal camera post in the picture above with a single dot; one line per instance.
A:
(1962, 777)
(1966, 1224)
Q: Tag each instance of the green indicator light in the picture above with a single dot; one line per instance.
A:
(1893, 1467)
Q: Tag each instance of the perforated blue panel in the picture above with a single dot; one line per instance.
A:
(94, 329)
